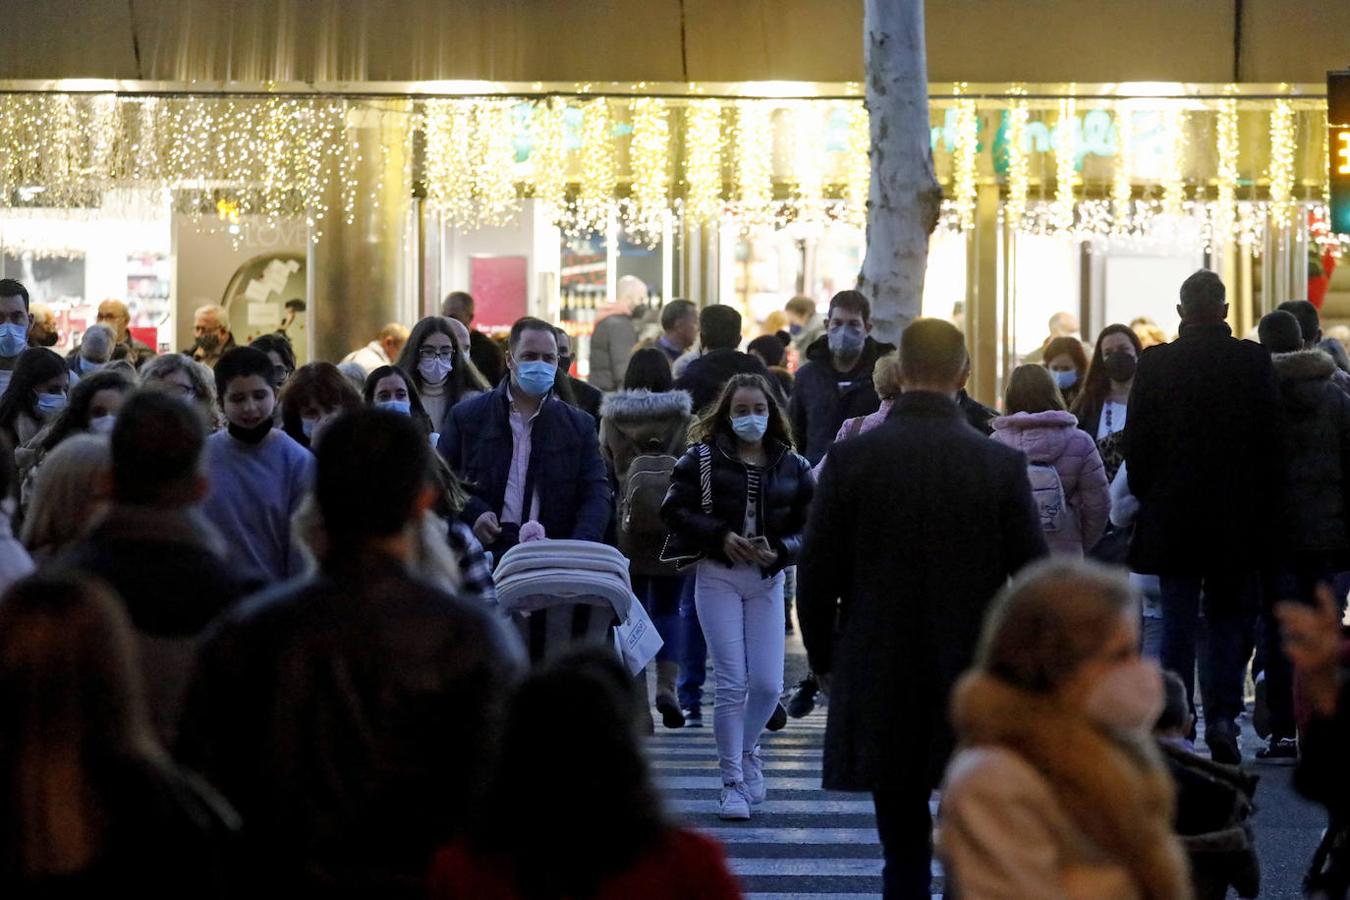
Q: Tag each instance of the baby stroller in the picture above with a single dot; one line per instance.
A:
(563, 593)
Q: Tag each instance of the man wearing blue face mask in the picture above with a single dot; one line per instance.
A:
(489, 442)
(836, 382)
(14, 324)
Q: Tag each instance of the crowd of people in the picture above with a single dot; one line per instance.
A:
(250, 643)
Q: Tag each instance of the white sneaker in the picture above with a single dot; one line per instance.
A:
(735, 802)
(752, 767)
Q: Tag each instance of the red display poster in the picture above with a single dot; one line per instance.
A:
(500, 290)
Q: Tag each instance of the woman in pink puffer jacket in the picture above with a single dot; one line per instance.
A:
(1038, 424)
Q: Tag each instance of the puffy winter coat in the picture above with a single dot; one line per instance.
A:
(634, 423)
(785, 490)
(1053, 438)
(1316, 417)
(821, 402)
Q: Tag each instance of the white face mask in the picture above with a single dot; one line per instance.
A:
(1128, 698)
(102, 425)
(435, 370)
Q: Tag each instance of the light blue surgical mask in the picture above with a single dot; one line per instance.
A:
(13, 339)
(1065, 380)
(750, 428)
(536, 377)
(307, 427)
(403, 407)
(49, 405)
(88, 367)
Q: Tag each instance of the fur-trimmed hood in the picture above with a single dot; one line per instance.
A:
(1304, 376)
(641, 405)
(1113, 788)
(1304, 365)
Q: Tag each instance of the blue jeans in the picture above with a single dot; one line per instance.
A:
(1231, 605)
(693, 652)
(660, 596)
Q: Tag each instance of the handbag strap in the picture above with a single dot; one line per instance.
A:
(705, 476)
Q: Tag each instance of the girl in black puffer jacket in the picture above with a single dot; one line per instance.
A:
(737, 506)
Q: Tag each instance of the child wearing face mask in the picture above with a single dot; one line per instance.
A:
(736, 508)
(258, 475)
(1058, 789)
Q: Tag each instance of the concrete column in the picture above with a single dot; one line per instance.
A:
(358, 280)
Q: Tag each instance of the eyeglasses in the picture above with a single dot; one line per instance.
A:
(445, 354)
(280, 373)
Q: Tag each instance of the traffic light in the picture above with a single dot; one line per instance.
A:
(1338, 145)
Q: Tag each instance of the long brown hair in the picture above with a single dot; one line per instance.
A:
(70, 698)
(717, 417)
(1097, 384)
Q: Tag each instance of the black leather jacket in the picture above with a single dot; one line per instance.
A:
(785, 490)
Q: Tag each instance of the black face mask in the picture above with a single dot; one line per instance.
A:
(1119, 366)
(253, 435)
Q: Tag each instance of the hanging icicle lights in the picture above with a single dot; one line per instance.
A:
(1019, 182)
(1281, 171)
(649, 162)
(1066, 152)
(750, 162)
(965, 161)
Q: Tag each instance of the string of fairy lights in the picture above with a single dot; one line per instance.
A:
(1075, 166)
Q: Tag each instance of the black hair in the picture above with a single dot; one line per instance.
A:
(457, 383)
(1202, 295)
(676, 310)
(589, 695)
(242, 362)
(75, 417)
(1280, 332)
(372, 464)
(419, 412)
(769, 348)
(528, 323)
(648, 368)
(719, 327)
(933, 351)
(853, 301)
(11, 288)
(1309, 322)
(34, 366)
(156, 446)
(278, 344)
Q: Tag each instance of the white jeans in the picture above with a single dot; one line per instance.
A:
(742, 617)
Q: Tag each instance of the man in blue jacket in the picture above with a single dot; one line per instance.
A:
(490, 443)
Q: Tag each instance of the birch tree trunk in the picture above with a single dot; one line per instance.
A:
(905, 197)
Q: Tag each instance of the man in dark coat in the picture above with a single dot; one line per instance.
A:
(835, 383)
(1202, 442)
(155, 547)
(483, 350)
(527, 456)
(720, 334)
(915, 527)
(350, 716)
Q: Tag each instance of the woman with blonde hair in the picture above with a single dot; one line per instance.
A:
(67, 492)
(886, 380)
(92, 804)
(1058, 789)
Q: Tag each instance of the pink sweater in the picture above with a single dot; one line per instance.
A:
(1053, 438)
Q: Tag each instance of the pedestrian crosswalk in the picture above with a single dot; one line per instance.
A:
(802, 841)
